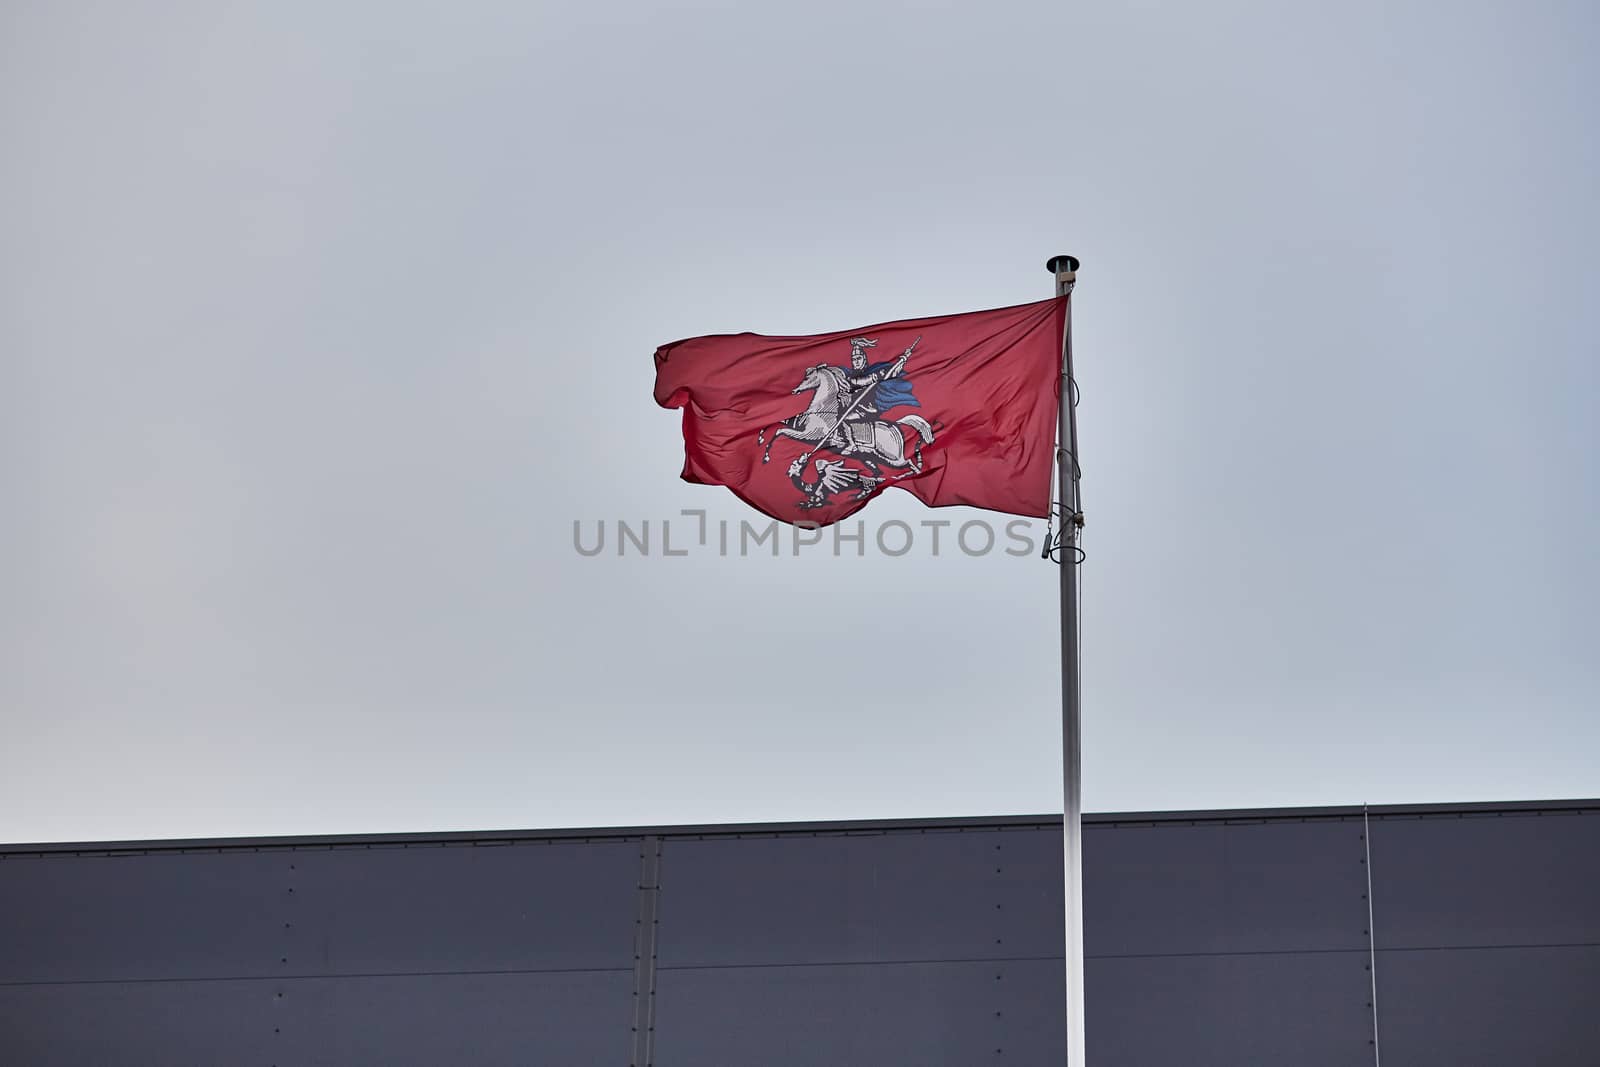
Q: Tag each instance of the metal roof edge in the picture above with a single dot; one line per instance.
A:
(840, 827)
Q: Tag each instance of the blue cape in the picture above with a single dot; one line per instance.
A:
(891, 392)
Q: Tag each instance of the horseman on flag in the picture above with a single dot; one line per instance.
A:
(977, 429)
(881, 381)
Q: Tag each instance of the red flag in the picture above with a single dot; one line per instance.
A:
(958, 409)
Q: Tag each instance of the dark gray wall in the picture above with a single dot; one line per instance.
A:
(1213, 938)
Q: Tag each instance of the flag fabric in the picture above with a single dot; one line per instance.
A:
(956, 409)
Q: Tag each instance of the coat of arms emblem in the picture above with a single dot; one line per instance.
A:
(845, 419)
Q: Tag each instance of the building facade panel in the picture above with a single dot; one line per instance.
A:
(525, 906)
(862, 1015)
(1235, 886)
(486, 1020)
(1490, 1007)
(139, 1024)
(158, 915)
(1309, 1009)
(1486, 878)
(835, 899)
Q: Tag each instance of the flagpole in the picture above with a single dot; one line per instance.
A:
(1070, 517)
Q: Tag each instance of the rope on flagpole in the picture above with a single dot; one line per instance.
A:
(1053, 541)
(1056, 543)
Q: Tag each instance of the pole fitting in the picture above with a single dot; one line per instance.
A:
(1062, 264)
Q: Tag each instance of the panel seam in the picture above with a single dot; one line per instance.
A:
(1372, 934)
(644, 953)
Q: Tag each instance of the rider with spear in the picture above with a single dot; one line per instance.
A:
(851, 424)
(876, 388)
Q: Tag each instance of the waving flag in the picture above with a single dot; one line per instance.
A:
(959, 409)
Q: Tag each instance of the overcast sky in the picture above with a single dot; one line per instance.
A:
(321, 324)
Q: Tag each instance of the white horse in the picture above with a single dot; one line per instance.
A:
(820, 426)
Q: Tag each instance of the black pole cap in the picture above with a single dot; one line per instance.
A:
(1057, 264)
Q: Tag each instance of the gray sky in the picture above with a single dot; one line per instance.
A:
(321, 324)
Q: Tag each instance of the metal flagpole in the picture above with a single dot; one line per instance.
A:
(1065, 268)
